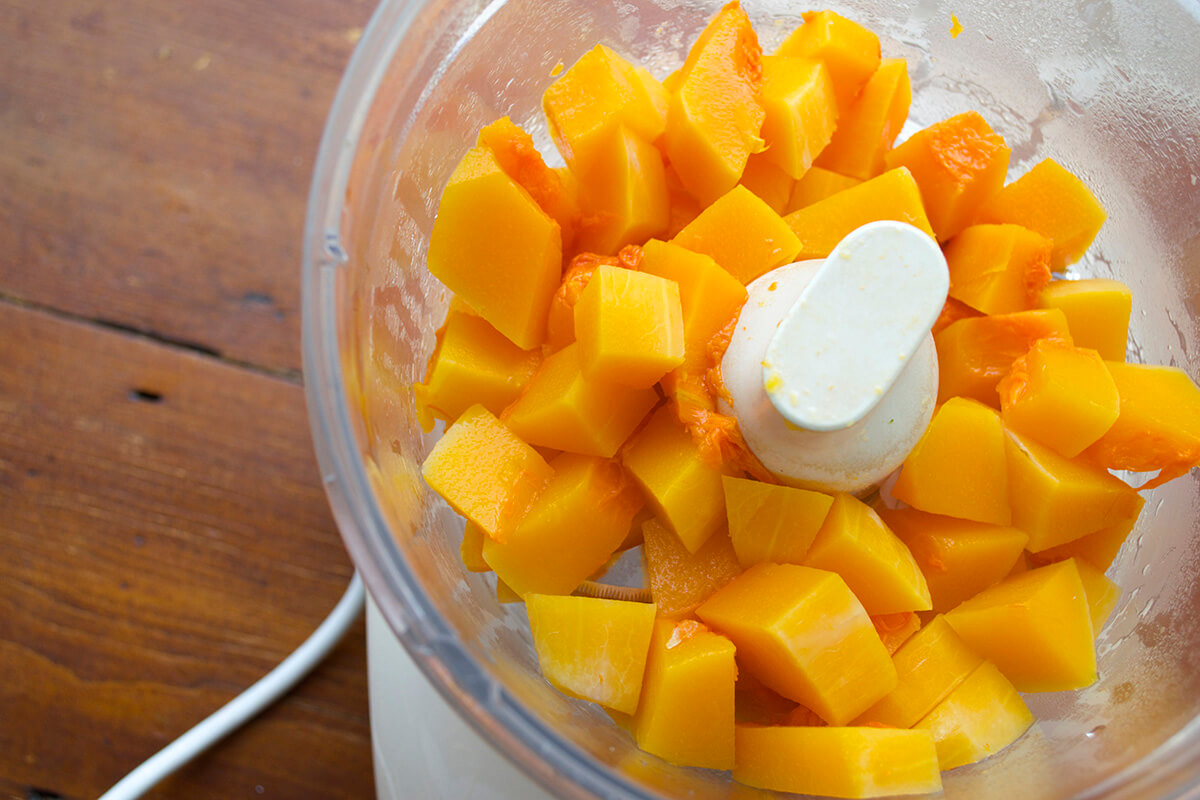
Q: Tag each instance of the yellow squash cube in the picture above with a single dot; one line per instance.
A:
(768, 181)
(870, 125)
(772, 523)
(623, 193)
(856, 544)
(591, 648)
(1097, 311)
(679, 581)
(629, 326)
(837, 762)
(1099, 549)
(1036, 627)
(998, 269)
(817, 184)
(959, 467)
(686, 711)
(797, 94)
(850, 51)
(1102, 594)
(982, 716)
(803, 634)
(742, 234)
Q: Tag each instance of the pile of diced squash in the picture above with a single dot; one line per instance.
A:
(809, 642)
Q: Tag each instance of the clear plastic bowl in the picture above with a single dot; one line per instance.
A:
(1110, 88)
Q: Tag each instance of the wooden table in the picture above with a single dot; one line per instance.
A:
(164, 537)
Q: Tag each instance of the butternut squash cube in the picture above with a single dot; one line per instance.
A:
(485, 472)
(680, 486)
(1097, 311)
(570, 531)
(686, 711)
(929, 666)
(797, 94)
(471, 549)
(959, 466)
(998, 269)
(871, 123)
(1059, 395)
(679, 581)
(564, 409)
(625, 193)
(982, 716)
(821, 225)
(772, 185)
(1056, 500)
(1035, 627)
(817, 184)
(802, 632)
(974, 353)
(591, 648)
(1158, 427)
(856, 544)
(629, 326)
(1102, 594)
(772, 523)
(716, 114)
(494, 247)
(837, 762)
(560, 322)
(850, 51)
(1099, 549)
(1052, 201)
(958, 557)
(471, 363)
(959, 163)
(742, 234)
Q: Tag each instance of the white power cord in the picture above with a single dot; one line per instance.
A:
(248, 704)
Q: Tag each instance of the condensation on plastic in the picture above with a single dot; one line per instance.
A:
(1110, 89)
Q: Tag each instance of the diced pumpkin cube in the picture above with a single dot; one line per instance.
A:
(485, 472)
(1097, 311)
(998, 269)
(1099, 549)
(472, 363)
(591, 648)
(797, 94)
(821, 225)
(679, 581)
(1059, 395)
(837, 762)
(856, 544)
(896, 629)
(494, 247)
(629, 326)
(659, 101)
(599, 92)
(570, 531)
(959, 163)
(471, 549)
(684, 491)
(1102, 594)
(564, 409)
(742, 234)
(802, 632)
(716, 113)
(959, 558)
(1158, 427)
(974, 353)
(686, 712)
(817, 184)
(1036, 627)
(870, 125)
(982, 716)
(1056, 500)
(850, 51)
(772, 523)
(928, 666)
(770, 183)
(959, 466)
(1052, 201)
(624, 194)
(560, 322)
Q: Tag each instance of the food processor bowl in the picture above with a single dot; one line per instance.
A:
(1109, 88)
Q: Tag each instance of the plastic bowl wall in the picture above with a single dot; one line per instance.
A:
(1110, 89)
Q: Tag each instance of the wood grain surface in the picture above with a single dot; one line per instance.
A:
(164, 535)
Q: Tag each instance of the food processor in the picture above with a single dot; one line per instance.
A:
(1108, 88)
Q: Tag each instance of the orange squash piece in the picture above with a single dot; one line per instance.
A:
(797, 94)
(850, 51)
(716, 113)
(998, 269)
(1052, 201)
(983, 715)
(817, 184)
(770, 183)
(959, 467)
(1102, 594)
(487, 218)
(772, 523)
(560, 322)
(959, 163)
(893, 195)
(871, 123)
(974, 353)
(1097, 311)
(1158, 427)
(742, 234)
(680, 581)
(624, 193)
(563, 409)
(1099, 549)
